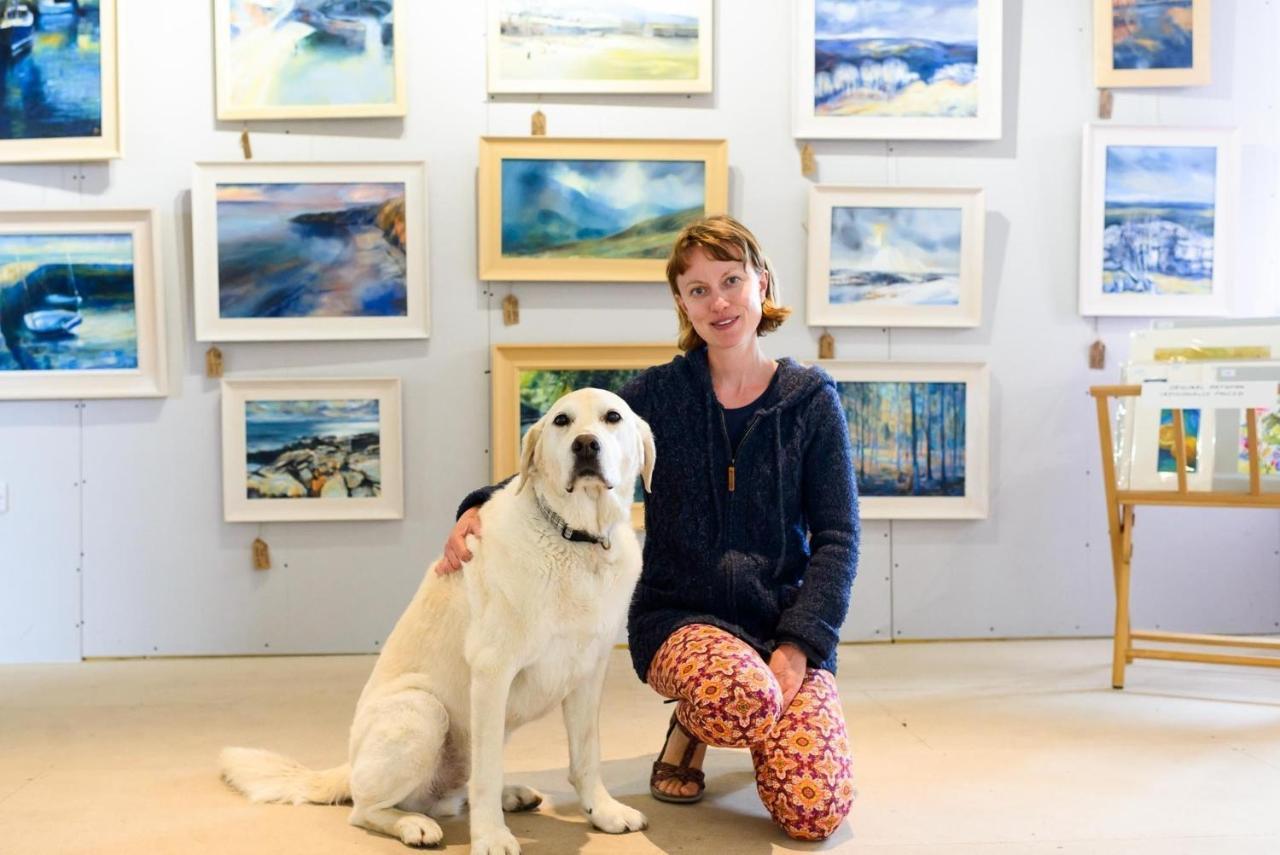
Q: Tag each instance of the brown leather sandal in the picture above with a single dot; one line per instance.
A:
(681, 772)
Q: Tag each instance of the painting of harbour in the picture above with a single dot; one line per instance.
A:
(1150, 34)
(908, 438)
(908, 58)
(306, 53)
(571, 40)
(67, 302)
(895, 256)
(598, 208)
(313, 449)
(50, 69)
(311, 250)
(1158, 236)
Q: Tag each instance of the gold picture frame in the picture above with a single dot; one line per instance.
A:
(1105, 73)
(632, 218)
(510, 361)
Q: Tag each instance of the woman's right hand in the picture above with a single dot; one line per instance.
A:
(455, 547)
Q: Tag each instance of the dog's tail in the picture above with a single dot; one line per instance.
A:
(265, 776)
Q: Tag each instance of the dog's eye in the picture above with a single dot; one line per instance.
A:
(561, 420)
(613, 417)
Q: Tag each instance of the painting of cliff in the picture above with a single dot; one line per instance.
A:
(1148, 34)
(67, 302)
(316, 449)
(614, 209)
(311, 250)
(895, 256)
(50, 69)
(1158, 236)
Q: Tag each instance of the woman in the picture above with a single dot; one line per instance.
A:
(751, 542)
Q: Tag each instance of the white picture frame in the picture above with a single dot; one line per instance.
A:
(232, 316)
(295, 412)
(913, 229)
(984, 123)
(1120, 168)
(132, 234)
(973, 500)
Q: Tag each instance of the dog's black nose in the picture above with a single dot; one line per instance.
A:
(585, 447)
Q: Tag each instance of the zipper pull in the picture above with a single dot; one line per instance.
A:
(731, 479)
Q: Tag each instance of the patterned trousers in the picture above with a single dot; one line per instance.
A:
(729, 698)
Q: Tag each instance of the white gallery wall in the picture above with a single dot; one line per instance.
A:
(113, 543)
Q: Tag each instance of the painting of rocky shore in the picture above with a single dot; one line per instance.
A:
(313, 449)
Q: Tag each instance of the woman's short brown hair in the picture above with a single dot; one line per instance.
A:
(725, 239)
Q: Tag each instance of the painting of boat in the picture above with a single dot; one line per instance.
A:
(17, 29)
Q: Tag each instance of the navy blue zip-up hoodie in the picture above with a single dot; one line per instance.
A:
(772, 560)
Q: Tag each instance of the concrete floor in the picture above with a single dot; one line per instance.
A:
(1007, 747)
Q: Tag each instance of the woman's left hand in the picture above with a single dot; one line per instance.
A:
(788, 665)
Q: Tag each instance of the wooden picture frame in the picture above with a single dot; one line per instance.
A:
(247, 101)
(81, 289)
(1141, 65)
(308, 296)
(881, 499)
(297, 431)
(510, 361)
(895, 257)
(630, 232)
(100, 141)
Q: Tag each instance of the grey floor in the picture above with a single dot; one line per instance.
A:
(1004, 747)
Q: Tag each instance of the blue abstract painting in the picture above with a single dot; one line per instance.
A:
(899, 256)
(1158, 233)
(908, 438)
(311, 250)
(50, 69)
(899, 58)
(598, 208)
(1152, 34)
(326, 449)
(67, 302)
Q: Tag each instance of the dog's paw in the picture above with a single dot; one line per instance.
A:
(500, 841)
(517, 798)
(418, 830)
(616, 818)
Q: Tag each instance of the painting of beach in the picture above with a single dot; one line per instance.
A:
(896, 256)
(1148, 34)
(908, 438)
(50, 69)
(67, 302)
(291, 55)
(908, 58)
(598, 208)
(312, 449)
(1158, 234)
(311, 250)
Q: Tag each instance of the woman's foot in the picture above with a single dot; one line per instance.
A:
(677, 774)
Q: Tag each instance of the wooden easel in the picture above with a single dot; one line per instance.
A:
(1120, 514)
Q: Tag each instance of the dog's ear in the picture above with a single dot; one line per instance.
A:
(529, 455)
(646, 451)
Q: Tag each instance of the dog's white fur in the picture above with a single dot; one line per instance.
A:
(528, 624)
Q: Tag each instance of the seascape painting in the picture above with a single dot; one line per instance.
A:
(67, 302)
(598, 209)
(908, 438)
(896, 256)
(1158, 236)
(326, 449)
(899, 59)
(299, 54)
(1150, 34)
(311, 250)
(50, 69)
(1166, 459)
(563, 41)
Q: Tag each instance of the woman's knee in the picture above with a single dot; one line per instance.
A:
(810, 809)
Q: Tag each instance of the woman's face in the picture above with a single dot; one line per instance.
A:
(721, 298)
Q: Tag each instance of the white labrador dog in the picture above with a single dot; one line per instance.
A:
(528, 624)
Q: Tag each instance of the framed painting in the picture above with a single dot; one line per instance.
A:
(919, 435)
(1151, 43)
(568, 46)
(894, 257)
(306, 449)
(304, 59)
(910, 69)
(81, 310)
(577, 210)
(529, 378)
(58, 81)
(289, 251)
(1157, 220)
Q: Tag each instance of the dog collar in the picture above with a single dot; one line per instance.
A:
(576, 535)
